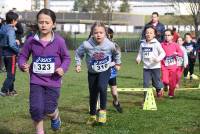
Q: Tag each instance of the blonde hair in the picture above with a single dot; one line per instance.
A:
(97, 24)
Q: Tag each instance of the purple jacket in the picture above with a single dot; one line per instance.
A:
(56, 48)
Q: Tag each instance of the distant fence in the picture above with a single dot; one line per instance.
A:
(126, 45)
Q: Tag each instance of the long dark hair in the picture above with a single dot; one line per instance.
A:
(47, 12)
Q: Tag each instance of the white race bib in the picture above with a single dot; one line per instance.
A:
(44, 65)
(147, 52)
(101, 65)
(179, 61)
(189, 48)
(169, 61)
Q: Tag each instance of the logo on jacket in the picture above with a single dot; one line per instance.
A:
(98, 56)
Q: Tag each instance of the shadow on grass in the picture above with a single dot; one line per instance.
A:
(5, 131)
(72, 109)
(187, 97)
(132, 94)
(128, 77)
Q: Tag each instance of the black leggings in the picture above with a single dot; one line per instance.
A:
(190, 67)
(98, 86)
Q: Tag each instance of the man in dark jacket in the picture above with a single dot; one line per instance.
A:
(158, 26)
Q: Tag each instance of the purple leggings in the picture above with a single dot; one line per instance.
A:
(43, 100)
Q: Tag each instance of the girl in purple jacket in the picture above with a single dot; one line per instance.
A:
(50, 60)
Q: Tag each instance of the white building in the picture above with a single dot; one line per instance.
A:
(142, 7)
(20, 5)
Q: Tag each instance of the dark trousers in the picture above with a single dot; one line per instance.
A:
(1, 63)
(10, 65)
(190, 67)
(154, 75)
(1, 60)
(98, 86)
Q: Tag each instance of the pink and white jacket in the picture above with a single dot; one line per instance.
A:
(172, 50)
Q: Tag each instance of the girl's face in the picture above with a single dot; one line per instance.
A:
(149, 34)
(45, 24)
(99, 34)
(180, 41)
(188, 38)
(168, 36)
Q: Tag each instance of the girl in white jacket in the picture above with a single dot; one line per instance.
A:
(151, 53)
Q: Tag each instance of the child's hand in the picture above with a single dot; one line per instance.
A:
(25, 67)
(117, 66)
(156, 60)
(60, 71)
(185, 65)
(18, 42)
(78, 68)
(137, 61)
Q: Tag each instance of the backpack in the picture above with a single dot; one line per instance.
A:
(3, 39)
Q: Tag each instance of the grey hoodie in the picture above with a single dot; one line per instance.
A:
(98, 56)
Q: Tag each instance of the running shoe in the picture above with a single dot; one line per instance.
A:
(92, 120)
(102, 117)
(56, 124)
(118, 107)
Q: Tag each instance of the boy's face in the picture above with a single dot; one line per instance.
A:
(14, 22)
(188, 38)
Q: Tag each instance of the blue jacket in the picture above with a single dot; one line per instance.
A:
(191, 49)
(160, 31)
(12, 48)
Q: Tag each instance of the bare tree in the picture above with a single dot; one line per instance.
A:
(46, 3)
(193, 7)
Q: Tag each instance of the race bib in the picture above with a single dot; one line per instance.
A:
(179, 61)
(101, 65)
(44, 65)
(147, 52)
(169, 61)
(189, 48)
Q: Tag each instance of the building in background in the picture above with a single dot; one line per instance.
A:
(140, 7)
(20, 5)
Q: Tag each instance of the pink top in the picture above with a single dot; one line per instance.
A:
(171, 50)
(44, 43)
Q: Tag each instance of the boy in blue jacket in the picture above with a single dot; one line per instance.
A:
(10, 51)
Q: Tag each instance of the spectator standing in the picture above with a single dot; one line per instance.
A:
(160, 28)
(176, 34)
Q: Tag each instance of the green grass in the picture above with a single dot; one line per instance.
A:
(174, 116)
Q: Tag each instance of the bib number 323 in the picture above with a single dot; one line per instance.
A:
(44, 65)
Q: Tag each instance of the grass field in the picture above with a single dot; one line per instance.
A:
(180, 115)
